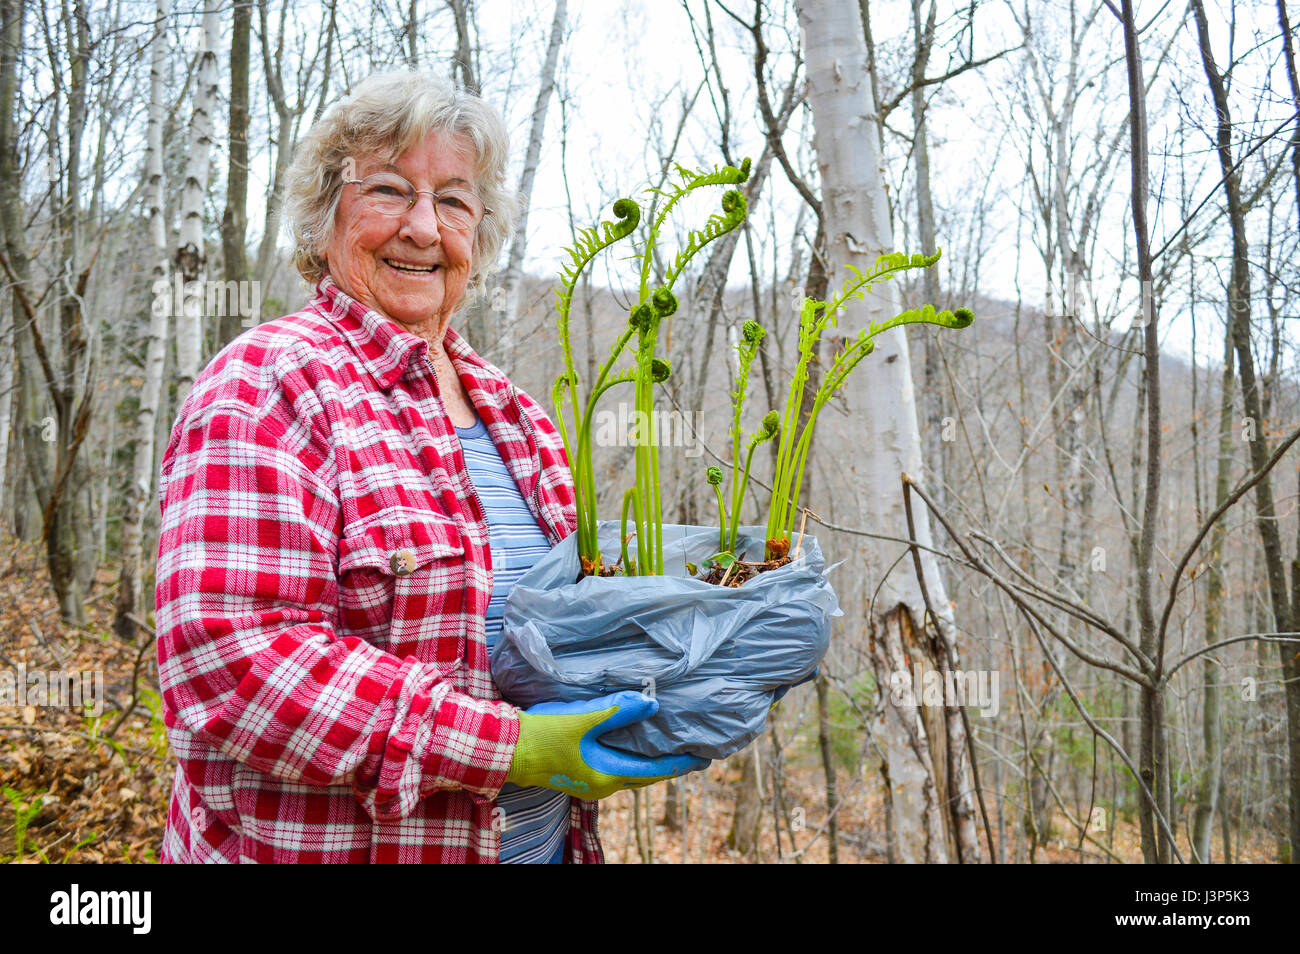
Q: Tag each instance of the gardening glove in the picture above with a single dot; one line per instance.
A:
(558, 748)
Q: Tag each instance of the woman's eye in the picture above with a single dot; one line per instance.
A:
(387, 191)
(452, 203)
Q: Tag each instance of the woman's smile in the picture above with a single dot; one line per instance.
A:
(410, 268)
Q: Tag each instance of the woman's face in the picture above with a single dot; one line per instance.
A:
(406, 267)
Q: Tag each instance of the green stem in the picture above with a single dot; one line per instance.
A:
(722, 518)
(808, 335)
(735, 464)
(842, 366)
(586, 503)
(781, 476)
(600, 387)
(744, 481)
(557, 398)
(801, 452)
(644, 539)
(655, 517)
(629, 500)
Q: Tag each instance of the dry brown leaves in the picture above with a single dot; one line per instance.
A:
(99, 800)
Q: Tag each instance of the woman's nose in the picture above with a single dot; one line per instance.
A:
(420, 222)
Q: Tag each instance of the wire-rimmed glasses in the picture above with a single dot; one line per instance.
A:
(390, 194)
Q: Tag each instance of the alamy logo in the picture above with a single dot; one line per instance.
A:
(666, 428)
(976, 688)
(80, 690)
(102, 907)
(213, 298)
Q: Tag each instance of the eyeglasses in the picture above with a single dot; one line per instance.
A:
(390, 194)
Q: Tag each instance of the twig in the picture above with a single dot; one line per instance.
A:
(81, 735)
(1266, 637)
(1231, 499)
(1010, 588)
(105, 591)
(798, 544)
(44, 642)
(951, 652)
(145, 645)
(1119, 750)
(1082, 828)
(142, 624)
(1078, 610)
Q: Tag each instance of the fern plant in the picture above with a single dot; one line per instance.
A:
(24, 812)
(641, 518)
(637, 343)
(814, 318)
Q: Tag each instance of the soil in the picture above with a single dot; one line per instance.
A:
(736, 575)
(741, 572)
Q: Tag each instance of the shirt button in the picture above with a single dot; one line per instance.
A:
(402, 562)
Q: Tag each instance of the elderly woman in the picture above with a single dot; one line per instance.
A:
(348, 494)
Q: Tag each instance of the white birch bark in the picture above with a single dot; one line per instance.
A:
(190, 259)
(140, 490)
(6, 392)
(928, 824)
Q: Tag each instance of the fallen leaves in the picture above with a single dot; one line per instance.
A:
(100, 800)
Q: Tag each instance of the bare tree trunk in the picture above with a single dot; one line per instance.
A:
(286, 118)
(674, 807)
(503, 338)
(10, 219)
(747, 820)
(1153, 766)
(69, 373)
(413, 35)
(7, 386)
(932, 817)
(1294, 81)
(140, 490)
(234, 222)
(191, 256)
(1239, 319)
(462, 66)
(1211, 724)
(923, 37)
(828, 769)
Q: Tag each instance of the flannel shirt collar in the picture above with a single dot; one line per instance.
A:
(386, 349)
(382, 345)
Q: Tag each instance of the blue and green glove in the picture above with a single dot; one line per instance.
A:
(558, 748)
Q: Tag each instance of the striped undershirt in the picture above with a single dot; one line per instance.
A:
(536, 820)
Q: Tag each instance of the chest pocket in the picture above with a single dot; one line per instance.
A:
(403, 581)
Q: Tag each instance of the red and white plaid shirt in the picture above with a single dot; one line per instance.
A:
(323, 575)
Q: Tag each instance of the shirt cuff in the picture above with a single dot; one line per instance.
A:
(472, 745)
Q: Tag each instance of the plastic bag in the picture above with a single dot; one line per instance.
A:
(712, 655)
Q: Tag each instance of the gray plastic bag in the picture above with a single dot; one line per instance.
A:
(712, 655)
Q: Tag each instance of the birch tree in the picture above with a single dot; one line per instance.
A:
(191, 257)
(139, 491)
(52, 443)
(926, 754)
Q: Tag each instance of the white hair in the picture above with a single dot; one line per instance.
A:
(387, 114)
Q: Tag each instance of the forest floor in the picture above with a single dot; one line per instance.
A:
(77, 791)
